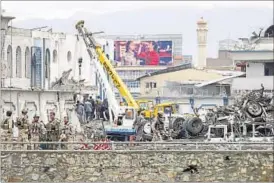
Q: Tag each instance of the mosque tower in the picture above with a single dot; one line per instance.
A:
(202, 43)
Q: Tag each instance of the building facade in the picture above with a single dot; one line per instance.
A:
(255, 57)
(35, 59)
(187, 85)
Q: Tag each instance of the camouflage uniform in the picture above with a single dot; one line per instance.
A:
(53, 132)
(6, 133)
(66, 135)
(35, 132)
(158, 127)
(23, 126)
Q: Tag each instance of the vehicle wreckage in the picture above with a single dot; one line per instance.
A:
(251, 116)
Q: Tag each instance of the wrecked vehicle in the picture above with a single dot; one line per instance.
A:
(251, 116)
(176, 128)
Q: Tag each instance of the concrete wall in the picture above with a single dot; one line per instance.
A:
(255, 70)
(155, 166)
(36, 101)
(255, 75)
(252, 55)
(253, 83)
(218, 62)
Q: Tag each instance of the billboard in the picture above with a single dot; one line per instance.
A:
(134, 53)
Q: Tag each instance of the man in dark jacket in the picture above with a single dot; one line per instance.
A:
(88, 110)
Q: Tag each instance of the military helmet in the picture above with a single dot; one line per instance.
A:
(24, 111)
(160, 114)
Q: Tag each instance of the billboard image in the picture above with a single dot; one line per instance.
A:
(134, 53)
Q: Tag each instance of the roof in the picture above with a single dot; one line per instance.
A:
(239, 51)
(218, 80)
(168, 70)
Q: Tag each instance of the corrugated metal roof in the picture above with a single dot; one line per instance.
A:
(218, 80)
(168, 70)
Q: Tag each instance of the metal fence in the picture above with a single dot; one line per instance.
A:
(137, 146)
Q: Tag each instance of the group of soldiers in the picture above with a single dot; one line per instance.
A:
(22, 130)
(158, 130)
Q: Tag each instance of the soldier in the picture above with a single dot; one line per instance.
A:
(138, 125)
(23, 126)
(36, 130)
(7, 126)
(158, 127)
(53, 133)
(67, 131)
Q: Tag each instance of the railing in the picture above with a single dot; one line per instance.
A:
(140, 146)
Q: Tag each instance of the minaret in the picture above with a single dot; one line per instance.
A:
(202, 43)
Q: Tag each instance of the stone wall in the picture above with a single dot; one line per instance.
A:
(137, 166)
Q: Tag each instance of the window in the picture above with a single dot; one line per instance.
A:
(27, 63)
(9, 59)
(190, 91)
(47, 64)
(269, 69)
(54, 56)
(69, 56)
(18, 62)
(151, 85)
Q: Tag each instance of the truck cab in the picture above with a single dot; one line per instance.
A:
(146, 106)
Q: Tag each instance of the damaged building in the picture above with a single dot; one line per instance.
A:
(39, 63)
(255, 57)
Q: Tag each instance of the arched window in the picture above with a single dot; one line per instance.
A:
(18, 62)
(27, 63)
(54, 56)
(9, 59)
(69, 56)
(47, 64)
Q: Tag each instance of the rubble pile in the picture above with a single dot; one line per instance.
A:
(252, 113)
(250, 109)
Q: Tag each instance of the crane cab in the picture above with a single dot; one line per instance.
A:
(122, 129)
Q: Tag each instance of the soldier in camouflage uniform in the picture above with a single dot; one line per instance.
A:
(158, 128)
(6, 129)
(53, 130)
(35, 131)
(23, 126)
(67, 132)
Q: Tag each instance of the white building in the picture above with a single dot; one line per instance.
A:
(255, 56)
(35, 58)
(32, 60)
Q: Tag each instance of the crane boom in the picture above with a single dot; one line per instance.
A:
(106, 64)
